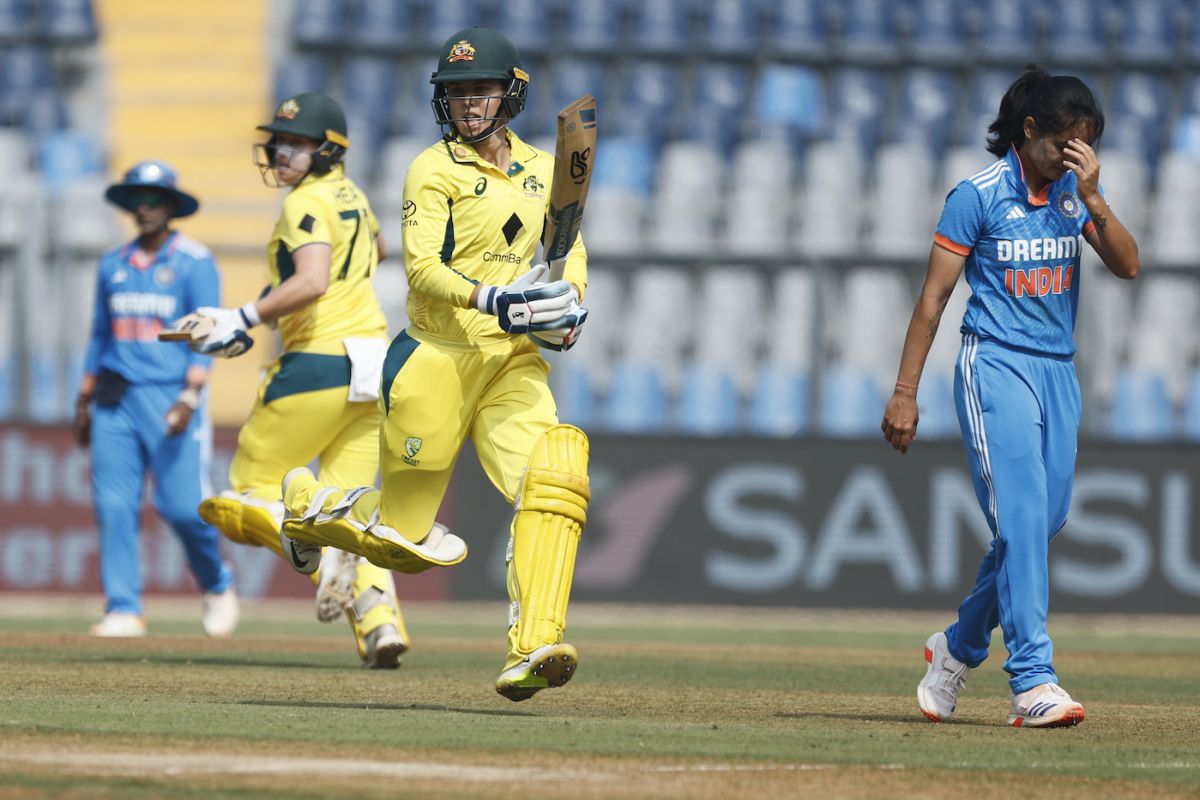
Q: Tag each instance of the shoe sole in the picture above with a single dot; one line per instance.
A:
(551, 670)
(387, 655)
(922, 700)
(1071, 717)
(335, 594)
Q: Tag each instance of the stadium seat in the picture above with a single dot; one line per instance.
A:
(938, 32)
(1141, 409)
(10, 351)
(638, 400)
(659, 303)
(869, 31)
(1125, 184)
(691, 175)
(709, 404)
(792, 97)
(851, 404)
(1147, 32)
(380, 24)
(1077, 32)
(95, 226)
(446, 17)
(661, 26)
(1138, 114)
(781, 402)
(959, 164)
(68, 21)
(859, 103)
(391, 287)
(574, 392)
(1163, 340)
(529, 23)
(369, 86)
(627, 163)
(301, 72)
(572, 78)
(829, 208)
(17, 20)
(868, 333)
(320, 23)
(901, 217)
(796, 29)
(613, 224)
(758, 204)
(650, 95)
(781, 396)
(1175, 237)
(927, 102)
(717, 106)
(1006, 30)
(593, 26)
(985, 90)
(28, 74)
(1191, 412)
(64, 157)
(732, 27)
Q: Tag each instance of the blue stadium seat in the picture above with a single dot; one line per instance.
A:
(796, 29)
(662, 26)
(859, 103)
(65, 156)
(573, 78)
(732, 27)
(1138, 114)
(939, 419)
(850, 402)
(650, 94)
(414, 116)
(301, 72)
(320, 23)
(44, 114)
(1191, 412)
(638, 400)
(68, 21)
(793, 97)
(8, 384)
(626, 163)
(1076, 32)
(982, 106)
(709, 404)
(781, 402)
(16, 20)
(939, 32)
(1141, 407)
(869, 31)
(1185, 137)
(43, 391)
(1147, 33)
(449, 16)
(369, 87)
(718, 106)
(529, 23)
(382, 24)
(926, 104)
(574, 393)
(594, 26)
(1006, 29)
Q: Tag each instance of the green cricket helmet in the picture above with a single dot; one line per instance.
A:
(313, 116)
(480, 54)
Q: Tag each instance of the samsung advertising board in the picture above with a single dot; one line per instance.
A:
(847, 524)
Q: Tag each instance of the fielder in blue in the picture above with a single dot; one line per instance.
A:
(1017, 227)
(141, 402)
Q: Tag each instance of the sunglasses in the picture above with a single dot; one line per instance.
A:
(147, 199)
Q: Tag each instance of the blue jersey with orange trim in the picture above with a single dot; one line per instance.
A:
(1022, 256)
(137, 296)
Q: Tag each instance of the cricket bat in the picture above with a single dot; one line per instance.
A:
(188, 328)
(574, 155)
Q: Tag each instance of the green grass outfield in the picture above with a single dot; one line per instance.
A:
(668, 702)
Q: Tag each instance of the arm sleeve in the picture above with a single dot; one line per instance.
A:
(101, 326)
(961, 223)
(204, 289)
(429, 239)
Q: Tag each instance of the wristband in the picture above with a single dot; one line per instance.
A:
(485, 302)
(250, 315)
(190, 397)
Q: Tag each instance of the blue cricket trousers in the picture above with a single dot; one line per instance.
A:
(1019, 415)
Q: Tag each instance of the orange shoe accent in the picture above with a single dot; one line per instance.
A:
(928, 656)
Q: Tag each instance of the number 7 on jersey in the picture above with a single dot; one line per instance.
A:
(574, 155)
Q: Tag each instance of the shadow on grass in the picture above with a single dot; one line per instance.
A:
(485, 712)
(209, 661)
(906, 719)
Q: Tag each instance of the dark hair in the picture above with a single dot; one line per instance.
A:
(1056, 103)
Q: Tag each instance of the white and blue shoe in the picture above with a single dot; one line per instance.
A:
(1045, 706)
(945, 677)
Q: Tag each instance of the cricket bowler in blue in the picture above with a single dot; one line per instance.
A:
(141, 402)
(1017, 227)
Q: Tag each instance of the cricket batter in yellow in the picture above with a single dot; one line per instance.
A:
(319, 398)
(469, 366)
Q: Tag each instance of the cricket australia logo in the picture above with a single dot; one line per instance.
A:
(533, 186)
(288, 110)
(412, 446)
(462, 51)
(1068, 204)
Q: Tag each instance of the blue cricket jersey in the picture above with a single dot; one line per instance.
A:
(137, 299)
(1022, 256)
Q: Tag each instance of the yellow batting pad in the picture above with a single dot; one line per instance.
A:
(242, 522)
(551, 510)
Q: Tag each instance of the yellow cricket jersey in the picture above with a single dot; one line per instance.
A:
(466, 222)
(329, 209)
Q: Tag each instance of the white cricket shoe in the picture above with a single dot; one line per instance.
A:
(120, 625)
(1045, 706)
(221, 613)
(945, 677)
(304, 557)
(336, 587)
(384, 648)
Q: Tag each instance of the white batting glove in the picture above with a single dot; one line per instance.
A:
(229, 338)
(561, 339)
